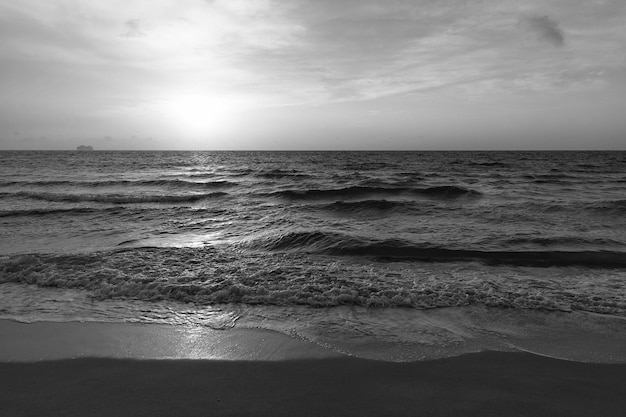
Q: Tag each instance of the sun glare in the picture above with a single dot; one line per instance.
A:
(200, 116)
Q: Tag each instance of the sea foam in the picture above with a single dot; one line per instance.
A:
(213, 275)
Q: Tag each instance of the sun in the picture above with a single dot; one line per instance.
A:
(200, 116)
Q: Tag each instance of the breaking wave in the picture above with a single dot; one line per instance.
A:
(225, 276)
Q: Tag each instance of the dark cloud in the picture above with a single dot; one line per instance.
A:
(133, 29)
(544, 28)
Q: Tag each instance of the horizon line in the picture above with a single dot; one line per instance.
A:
(313, 150)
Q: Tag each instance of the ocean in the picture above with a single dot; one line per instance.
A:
(385, 255)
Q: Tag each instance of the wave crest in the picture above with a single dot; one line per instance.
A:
(444, 191)
(337, 244)
(367, 205)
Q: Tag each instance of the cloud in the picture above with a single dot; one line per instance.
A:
(119, 62)
(544, 28)
(133, 29)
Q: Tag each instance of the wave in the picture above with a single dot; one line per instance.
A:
(554, 175)
(216, 275)
(448, 191)
(201, 175)
(608, 206)
(48, 212)
(336, 244)
(489, 164)
(409, 176)
(367, 205)
(366, 166)
(534, 207)
(117, 210)
(596, 259)
(189, 184)
(444, 191)
(281, 173)
(348, 192)
(320, 242)
(174, 183)
(115, 198)
(241, 172)
(551, 181)
(561, 240)
(589, 166)
(555, 178)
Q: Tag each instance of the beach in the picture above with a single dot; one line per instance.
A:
(264, 373)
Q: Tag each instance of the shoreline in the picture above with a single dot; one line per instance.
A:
(46, 341)
(125, 369)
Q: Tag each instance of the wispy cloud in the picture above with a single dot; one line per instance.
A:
(133, 28)
(544, 28)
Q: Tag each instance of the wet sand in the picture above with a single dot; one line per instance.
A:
(70, 340)
(483, 384)
(308, 381)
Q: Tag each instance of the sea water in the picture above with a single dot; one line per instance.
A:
(387, 255)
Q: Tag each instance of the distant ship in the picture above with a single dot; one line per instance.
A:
(84, 148)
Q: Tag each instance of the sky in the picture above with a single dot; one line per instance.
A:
(313, 74)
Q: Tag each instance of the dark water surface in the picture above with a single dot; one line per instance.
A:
(257, 238)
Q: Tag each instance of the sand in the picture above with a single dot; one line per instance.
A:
(317, 384)
(50, 340)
